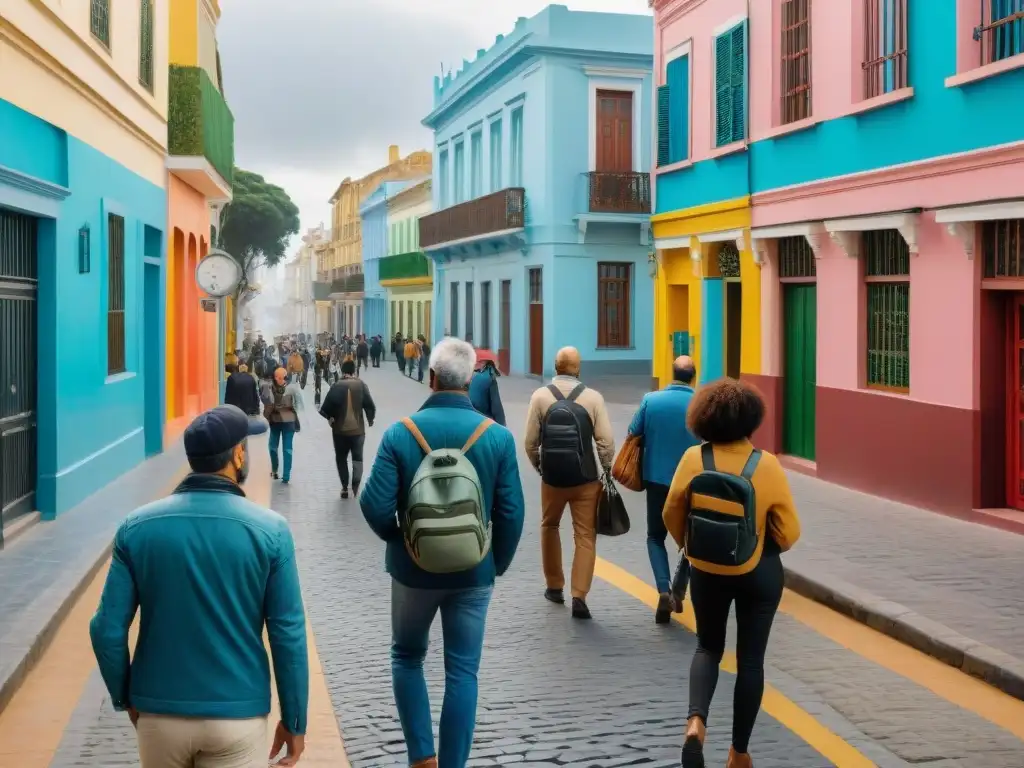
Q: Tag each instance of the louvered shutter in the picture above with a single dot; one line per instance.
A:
(738, 80)
(723, 89)
(663, 125)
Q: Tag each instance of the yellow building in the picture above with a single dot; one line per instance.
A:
(342, 263)
(200, 162)
(707, 294)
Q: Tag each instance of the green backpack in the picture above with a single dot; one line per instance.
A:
(444, 525)
(722, 525)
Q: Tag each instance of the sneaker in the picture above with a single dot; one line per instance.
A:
(344, 493)
(663, 613)
(274, 475)
(579, 608)
(284, 481)
(555, 596)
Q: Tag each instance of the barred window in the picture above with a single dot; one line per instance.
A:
(1001, 31)
(796, 60)
(146, 44)
(796, 259)
(99, 21)
(885, 46)
(1002, 244)
(887, 273)
(613, 292)
(115, 295)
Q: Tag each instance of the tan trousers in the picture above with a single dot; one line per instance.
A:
(187, 742)
(582, 501)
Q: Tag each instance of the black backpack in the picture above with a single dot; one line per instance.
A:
(566, 442)
(722, 525)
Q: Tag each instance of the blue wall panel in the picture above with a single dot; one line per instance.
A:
(712, 350)
(375, 317)
(710, 181)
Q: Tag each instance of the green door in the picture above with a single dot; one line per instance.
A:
(800, 304)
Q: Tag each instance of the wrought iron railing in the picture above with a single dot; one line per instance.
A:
(1001, 31)
(620, 192)
(496, 212)
(885, 46)
(349, 284)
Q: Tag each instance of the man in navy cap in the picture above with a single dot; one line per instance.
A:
(209, 569)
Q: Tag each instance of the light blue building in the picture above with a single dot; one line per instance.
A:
(374, 215)
(542, 226)
(82, 247)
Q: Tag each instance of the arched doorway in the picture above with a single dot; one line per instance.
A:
(175, 340)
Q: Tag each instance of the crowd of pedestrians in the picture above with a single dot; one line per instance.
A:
(210, 570)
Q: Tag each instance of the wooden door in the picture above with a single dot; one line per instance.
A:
(536, 322)
(1015, 403)
(800, 318)
(614, 131)
(505, 327)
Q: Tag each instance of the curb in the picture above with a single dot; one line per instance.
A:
(995, 667)
(41, 620)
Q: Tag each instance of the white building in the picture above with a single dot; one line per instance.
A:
(299, 278)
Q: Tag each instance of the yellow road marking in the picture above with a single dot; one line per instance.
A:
(944, 681)
(775, 704)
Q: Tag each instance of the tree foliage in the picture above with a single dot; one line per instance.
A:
(257, 224)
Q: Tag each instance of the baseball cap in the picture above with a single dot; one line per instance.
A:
(218, 430)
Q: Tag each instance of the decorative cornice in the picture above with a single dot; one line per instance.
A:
(848, 242)
(843, 231)
(621, 72)
(12, 178)
(672, 9)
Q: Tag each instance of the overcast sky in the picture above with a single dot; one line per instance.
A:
(320, 88)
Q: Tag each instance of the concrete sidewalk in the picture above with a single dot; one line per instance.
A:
(947, 587)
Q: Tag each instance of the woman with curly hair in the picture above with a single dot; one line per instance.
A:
(730, 508)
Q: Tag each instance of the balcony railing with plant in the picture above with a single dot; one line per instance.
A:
(404, 266)
(199, 122)
(496, 212)
(618, 192)
(349, 284)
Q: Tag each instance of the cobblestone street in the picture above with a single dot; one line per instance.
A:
(606, 693)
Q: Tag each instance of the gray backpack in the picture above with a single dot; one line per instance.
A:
(444, 524)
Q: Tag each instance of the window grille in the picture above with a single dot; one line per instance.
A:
(796, 61)
(796, 259)
(613, 294)
(1002, 243)
(146, 44)
(885, 46)
(728, 260)
(536, 286)
(1001, 31)
(887, 272)
(115, 295)
(99, 21)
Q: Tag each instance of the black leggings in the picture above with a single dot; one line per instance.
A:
(343, 446)
(757, 595)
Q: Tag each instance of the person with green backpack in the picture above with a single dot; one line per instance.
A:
(445, 495)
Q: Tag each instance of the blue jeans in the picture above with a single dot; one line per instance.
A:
(657, 495)
(282, 432)
(463, 619)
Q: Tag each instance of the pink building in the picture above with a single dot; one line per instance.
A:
(885, 168)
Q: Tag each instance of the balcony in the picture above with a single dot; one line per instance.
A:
(468, 226)
(200, 133)
(404, 269)
(606, 197)
(348, 284)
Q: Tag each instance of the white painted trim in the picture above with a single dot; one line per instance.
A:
(786, 230)
(727, 25)
(906, 223)
(629, 74)
(964, 231)
(963, 214)
(721, 237)
(188, 163)
(665, 243)
(683, 49)
(633, 86)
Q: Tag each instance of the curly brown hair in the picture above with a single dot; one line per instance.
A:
(725, 411)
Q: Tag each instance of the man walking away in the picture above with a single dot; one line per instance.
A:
(362, 354)
(209, 570)
(423, 348)
(412, 356)
(661, 422)
(565, 419)
(434, 565)
(483, 392)
(376, 350)
(344, 406)
(242, 391)
(399, 347)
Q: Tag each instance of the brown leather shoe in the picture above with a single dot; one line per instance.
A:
(739, 759)
(430, 762)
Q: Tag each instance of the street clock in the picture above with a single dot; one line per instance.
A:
(218, 274)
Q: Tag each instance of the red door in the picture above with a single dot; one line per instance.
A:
(505, 326)
(614, 131)
(536, 322)
(1015, 403)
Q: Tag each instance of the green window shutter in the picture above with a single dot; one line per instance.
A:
(664, 103)
(723, 90)
(738, 80)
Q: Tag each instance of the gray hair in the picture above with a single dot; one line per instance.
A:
(453, 361)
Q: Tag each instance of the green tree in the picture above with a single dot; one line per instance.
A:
(256, 225)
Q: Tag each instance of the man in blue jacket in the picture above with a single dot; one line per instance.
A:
(661, 422)
(446, 419)
(483, 392)
(209, 569)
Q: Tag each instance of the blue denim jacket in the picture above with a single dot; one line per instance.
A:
(661, 421)
(447, 419)
(483, 392)
(208, 569)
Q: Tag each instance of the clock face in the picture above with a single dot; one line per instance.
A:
(218, 274)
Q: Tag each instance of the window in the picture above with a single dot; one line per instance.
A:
(1002, 243)
(459, 182)
(613, 292)
(674, 110)
(495, 155)
(485, 315)
(730, 85)
(505, 315)
(411, 328)
(1001, 31)
(442, 179)
(516, 150)
(99, 21)
(795, 71)
(885, 46)
(887, 273)
(115, 295)
(476, 165)
(453, 312)
(469, 313)
(796, 259)
(146, 44)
